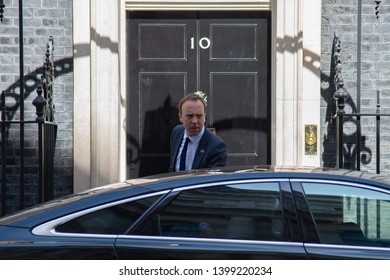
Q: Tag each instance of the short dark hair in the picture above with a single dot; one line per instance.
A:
(192, 96)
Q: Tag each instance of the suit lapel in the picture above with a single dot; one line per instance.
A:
(178, 143)
(201, 151)
(177, 137)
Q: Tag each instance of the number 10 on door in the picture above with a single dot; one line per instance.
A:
(203, 43)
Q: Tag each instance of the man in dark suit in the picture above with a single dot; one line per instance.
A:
(202, 148)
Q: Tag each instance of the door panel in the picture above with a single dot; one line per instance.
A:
(233, 41)
(232, 220)
(159, 74)
(235, 72)
(162, 42)
(225, 55)
(234, 114)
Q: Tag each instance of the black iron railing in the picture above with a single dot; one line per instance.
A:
(25, 156)
(352, 149)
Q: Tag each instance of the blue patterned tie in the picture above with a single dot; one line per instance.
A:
(183, 155)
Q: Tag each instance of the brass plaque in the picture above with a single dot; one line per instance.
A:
(310, 139)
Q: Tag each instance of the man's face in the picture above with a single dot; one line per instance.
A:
(193, 116)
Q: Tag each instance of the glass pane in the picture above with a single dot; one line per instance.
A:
(350, 215)
(240, 211)
(112, 220)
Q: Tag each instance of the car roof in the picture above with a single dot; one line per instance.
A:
(264, 171)
(166, 181)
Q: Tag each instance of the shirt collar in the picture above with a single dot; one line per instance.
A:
(195, 139)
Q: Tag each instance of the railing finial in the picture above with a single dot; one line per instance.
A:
(341, 95)
(39, 102)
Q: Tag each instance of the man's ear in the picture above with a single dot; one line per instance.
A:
(180, 119)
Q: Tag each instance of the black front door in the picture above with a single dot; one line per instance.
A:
(225, 55)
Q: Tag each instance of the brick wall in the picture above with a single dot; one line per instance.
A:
(340, 17)
(41, 19)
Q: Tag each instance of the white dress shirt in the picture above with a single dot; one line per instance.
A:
(191, 149)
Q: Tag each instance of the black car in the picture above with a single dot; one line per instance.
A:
(255, 213)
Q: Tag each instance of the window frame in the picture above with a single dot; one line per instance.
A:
(285, 194)
(306, 218)
(49, 228)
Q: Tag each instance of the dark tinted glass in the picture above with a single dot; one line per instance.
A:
(112, 220)
(350, 215)
(251, 211)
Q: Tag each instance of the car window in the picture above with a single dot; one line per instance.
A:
(111, 220)
(350, 215)
(251, 211)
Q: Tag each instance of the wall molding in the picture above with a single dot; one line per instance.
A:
(144, 5)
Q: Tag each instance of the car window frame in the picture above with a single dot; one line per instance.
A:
(48, 228)
(285, 194)
(306, 218)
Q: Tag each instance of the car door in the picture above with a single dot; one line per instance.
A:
(344, 220)
(231, 220)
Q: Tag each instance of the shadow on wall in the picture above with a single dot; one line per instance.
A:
(329, 155)
(32, 80)
(10, 141)
(312, 62)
